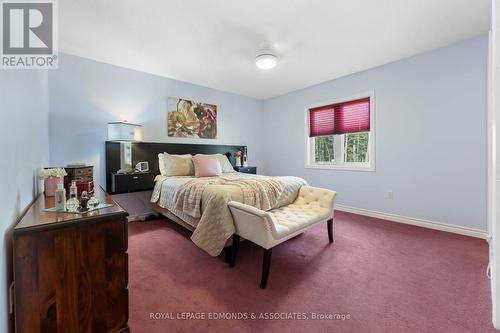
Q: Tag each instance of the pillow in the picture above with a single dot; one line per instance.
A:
(177, 165)
(206, 166)
(161, 161)
(225, 165)
(161, 164)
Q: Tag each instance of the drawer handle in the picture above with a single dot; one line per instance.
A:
(135, 177)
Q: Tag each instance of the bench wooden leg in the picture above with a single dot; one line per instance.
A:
(227, 255)
(330, 230)
(234, 251)
(266, 263)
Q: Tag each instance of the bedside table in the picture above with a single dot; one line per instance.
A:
(131, 182)
(242, 169)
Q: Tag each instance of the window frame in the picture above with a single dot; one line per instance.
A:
(339, 144)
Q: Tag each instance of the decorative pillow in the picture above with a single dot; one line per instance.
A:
(225, 165)
(206, 166)
(178, 165)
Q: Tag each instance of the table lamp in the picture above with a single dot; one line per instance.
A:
(125, 133)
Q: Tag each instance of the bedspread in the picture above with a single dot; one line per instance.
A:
(262, 193)
(215, 225)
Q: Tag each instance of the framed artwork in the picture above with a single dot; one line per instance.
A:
(190, 119)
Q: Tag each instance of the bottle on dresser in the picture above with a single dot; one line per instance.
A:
(60, 198)
(73, 204)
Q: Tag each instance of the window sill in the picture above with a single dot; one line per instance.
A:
(340, 167)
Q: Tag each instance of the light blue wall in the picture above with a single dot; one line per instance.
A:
(430, 143)
(24, 149)
(85, 95)
(430, 116)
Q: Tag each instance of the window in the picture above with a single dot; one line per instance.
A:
(341, 134)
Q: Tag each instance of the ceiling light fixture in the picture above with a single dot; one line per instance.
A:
(266, 59)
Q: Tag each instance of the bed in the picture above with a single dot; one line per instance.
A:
(212, 226)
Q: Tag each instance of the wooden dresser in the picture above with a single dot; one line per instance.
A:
(71, 270)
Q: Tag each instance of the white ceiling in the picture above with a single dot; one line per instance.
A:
(213, 42)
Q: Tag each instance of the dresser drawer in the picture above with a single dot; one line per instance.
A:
(252, 170)
(84, 179)
(84, 172)
(131, 182)
(81, 174)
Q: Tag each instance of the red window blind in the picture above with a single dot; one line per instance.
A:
(322, 121)
(341, 118)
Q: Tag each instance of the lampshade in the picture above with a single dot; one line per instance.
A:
(123, 131)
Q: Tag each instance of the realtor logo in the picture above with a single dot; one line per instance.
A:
(28, 35)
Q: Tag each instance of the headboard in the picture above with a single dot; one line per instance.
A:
(148, 151)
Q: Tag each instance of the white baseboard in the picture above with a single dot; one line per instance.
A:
(415, 221)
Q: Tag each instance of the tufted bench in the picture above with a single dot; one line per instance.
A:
(268, 229)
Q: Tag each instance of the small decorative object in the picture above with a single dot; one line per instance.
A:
(190, 119)
(142, 167)
(60, 198)
(245, 162)
(52, 177)
(238, 158)
(73, 190)
(72, 204)
(93, 203)
(84, 201)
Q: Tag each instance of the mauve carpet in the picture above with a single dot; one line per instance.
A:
(382, 276)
